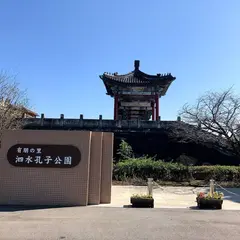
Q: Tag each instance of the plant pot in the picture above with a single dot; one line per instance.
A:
(204, 203)
(142, 202)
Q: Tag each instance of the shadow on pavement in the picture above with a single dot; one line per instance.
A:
(16, 208)
(231, 194)
(127, 206)
(193, 208)
(198, 209)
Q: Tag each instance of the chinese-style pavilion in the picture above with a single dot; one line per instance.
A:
(136, 94)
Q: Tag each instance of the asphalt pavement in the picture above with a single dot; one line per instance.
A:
(172, 197)
(95, 223)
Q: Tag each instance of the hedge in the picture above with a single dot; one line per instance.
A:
(218, 173)
(168, 171)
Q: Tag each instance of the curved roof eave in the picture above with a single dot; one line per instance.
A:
(138, 74)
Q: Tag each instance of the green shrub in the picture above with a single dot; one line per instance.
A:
(125, 151)
(167, 171)
(218, 173)
(148, 168)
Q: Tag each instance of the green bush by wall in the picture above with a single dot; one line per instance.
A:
(158, 170)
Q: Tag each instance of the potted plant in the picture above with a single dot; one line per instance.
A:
(142, 200)
(210, 201)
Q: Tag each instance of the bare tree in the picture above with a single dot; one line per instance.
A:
(214, 118)
(13, 104)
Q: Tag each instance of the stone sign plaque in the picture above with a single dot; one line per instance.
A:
(40, 155)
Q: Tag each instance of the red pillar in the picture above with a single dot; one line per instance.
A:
(157, 106)
(115, 107)
(153, 111)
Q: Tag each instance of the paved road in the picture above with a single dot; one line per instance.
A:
(85, 223)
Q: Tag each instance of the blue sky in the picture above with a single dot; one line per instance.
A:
(59, 48)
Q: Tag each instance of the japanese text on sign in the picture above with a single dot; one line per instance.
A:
(44, 155)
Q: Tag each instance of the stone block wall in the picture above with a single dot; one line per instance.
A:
(87, 183)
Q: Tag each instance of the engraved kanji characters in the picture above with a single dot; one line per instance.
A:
(48, 159)
(38, 160)
(28, 159)
(58, 160)
(68, 160)
(19, 150)
(19, 159)
(39, 151)
(25, 150)
(33, 155)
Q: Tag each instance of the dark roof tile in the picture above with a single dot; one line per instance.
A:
(136, 78)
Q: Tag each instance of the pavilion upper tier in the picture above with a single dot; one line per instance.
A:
(136, 94)
(135, 78)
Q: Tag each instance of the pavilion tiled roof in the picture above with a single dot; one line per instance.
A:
(136, 78)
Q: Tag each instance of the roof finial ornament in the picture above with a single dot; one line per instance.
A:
(136, 64)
